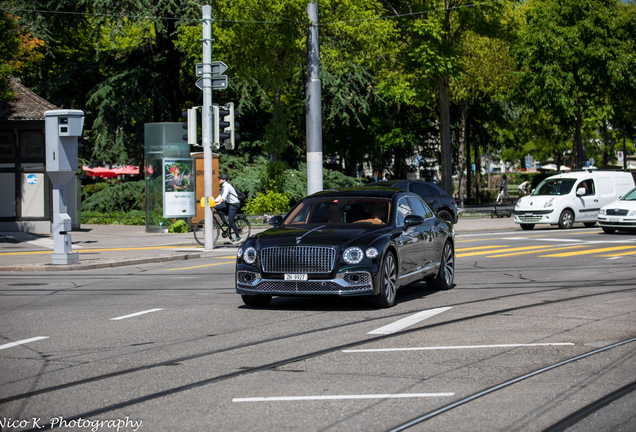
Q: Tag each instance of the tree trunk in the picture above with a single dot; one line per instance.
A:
(445, 137)
(477, 171)
(578, 142)
(461, 163)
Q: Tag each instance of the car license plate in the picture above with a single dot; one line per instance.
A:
(613, 219)
(296, 277)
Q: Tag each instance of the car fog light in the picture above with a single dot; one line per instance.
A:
(372, 253)
(250, 255)
(353, 255)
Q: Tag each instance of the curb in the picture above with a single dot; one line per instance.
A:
(120, 262)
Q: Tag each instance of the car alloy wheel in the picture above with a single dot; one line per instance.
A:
(388, 283)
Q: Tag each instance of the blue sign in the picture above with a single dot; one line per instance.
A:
(32, 179)
(528, 165)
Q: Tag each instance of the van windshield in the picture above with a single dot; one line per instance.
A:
(554, 187)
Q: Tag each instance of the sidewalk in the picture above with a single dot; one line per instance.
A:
(103, 246)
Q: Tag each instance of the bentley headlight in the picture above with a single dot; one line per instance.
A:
(550, 203)
(602, 212)
(353, 255)
(239, 254)
(249, 256)
(372, 252)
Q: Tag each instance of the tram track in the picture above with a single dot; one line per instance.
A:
(287, 361)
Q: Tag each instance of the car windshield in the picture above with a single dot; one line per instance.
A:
(629, 196)
(340, 210)
(554, 187)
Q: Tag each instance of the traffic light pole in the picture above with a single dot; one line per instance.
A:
(208, 177)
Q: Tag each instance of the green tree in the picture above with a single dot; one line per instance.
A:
(567, 53)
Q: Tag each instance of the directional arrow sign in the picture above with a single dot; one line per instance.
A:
(219, 82)
(218, 67)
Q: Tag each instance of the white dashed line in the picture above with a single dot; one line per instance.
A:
(408, 321)
(456, 347)
(135, 314)
(341, 397)
(21, 342)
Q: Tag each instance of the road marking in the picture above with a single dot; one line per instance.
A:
(135, 314)
(480, 247)
(409, 321)
(587, 252)
(21, 342)
(624, 252)
(204, 265)
(534, 251)
(91, 250)
(341, 397)
(547, 239)
(497, 251)
(458, 347)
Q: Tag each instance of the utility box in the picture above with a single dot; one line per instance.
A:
(62, 128)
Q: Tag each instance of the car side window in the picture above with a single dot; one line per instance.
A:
(403, 210)
(401, 186)
(588, 185)
(421, 189)
(420, 208)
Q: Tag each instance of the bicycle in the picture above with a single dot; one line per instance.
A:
(226, 230)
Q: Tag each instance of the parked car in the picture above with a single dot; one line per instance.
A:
(349, 242)
(577, 196)
(441, 202)
(619, 215)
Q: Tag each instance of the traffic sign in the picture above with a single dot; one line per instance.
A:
(218, 67)
(219, 82)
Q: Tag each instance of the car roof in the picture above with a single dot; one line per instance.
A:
(376, 192)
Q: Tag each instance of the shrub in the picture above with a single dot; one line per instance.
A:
(135, 217)
(270, 202)
(179, 226)
(92, 188)
(119, 198)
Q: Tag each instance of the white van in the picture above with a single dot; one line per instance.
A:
(577, 196)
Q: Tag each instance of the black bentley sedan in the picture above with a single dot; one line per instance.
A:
(348, 242)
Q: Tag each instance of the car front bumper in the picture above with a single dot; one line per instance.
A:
(344, 284)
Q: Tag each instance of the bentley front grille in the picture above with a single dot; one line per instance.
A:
(298, 259)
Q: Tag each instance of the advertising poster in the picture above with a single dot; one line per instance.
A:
(178, 188)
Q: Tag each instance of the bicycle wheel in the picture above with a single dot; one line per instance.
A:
(243, 226)
(199, 232)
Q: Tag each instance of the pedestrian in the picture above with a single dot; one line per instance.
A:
(504, 184)
(524, 188)
(228, 202)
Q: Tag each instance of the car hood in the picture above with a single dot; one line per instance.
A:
(621, 204)
(535, 202)
(313, 236)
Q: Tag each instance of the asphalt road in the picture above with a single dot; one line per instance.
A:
(540, 325)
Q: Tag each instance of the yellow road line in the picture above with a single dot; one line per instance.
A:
(534, 251)
(498, 251)
(205, 265)
(587, 252)
(480, 247)
(619, 254)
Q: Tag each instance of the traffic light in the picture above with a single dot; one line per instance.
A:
(220, 126)
(190, 125)
(231, 128)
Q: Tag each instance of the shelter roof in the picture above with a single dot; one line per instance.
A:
(25, 105)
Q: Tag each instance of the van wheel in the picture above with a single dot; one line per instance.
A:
(566, 220)
(527, 226)
(609, 230)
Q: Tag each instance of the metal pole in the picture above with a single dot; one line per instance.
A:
(313, 105)
(205, 124)
(624, 150)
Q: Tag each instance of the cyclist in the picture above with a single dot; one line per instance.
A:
(228, 202)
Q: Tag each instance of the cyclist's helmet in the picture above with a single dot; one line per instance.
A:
(223, 177)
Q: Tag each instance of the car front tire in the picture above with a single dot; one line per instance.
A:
(527, 226)
(443, 214)
(566, 220)
(388, 283)
(446, 274)
(609, 230)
